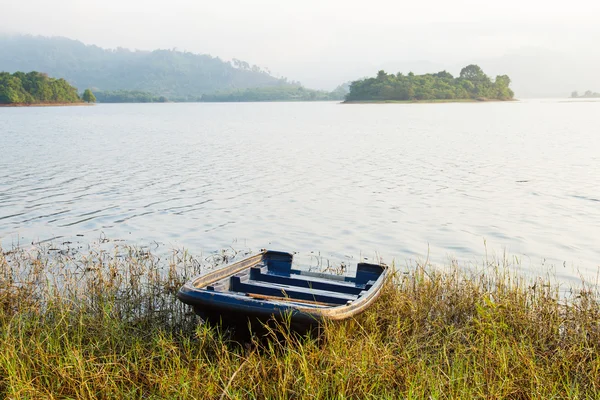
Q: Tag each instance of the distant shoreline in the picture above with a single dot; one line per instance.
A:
(45, 104)
(425, 101)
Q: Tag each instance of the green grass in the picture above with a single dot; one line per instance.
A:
(102, 326)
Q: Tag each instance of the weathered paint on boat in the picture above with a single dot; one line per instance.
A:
(265, 285)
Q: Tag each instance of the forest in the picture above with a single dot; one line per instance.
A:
(35, 88)
(472, 84)
(275, 93)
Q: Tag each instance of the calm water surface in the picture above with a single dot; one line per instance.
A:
(346, 180)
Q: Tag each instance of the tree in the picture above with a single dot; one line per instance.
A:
(88, 96)
(472, 72)
(444, 75)
(503, 91)
(381, 75)
(575, 94)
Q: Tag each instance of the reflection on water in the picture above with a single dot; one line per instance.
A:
(348, 181)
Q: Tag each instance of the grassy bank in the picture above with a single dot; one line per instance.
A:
(108, 326)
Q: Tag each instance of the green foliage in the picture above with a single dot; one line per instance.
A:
(88, 96)
(471, 84)
(473, 73)
(129, 96)
(34, 88)
(174, 74)
(275, 93)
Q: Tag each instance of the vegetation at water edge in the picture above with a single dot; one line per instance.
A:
(472, 84)
(128, 96)
(109, 326)
(35, 88)
(88, 96)
(275, 93)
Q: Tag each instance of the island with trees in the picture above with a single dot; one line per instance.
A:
(587, 95)
(35, 88)
(472, 85)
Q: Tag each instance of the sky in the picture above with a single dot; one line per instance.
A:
(323, 43)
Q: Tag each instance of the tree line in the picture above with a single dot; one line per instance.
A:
(472, 83)
(35, 88)
(587, 95)
(274, 93)
(128, 96)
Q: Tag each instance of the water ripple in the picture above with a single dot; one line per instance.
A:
(406, 182)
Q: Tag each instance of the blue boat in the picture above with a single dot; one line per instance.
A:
(265, 285)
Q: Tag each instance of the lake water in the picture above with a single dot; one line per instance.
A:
(391, 180)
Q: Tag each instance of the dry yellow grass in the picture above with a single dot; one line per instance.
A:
(100, 326)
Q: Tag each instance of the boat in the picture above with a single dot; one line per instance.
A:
(266, 286)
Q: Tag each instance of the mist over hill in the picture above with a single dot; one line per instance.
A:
(181, 75)
(171, 73)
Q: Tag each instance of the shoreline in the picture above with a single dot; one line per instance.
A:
(45, 104)
(485, 333)
(426, 101)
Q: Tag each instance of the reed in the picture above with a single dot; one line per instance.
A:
(103, 325)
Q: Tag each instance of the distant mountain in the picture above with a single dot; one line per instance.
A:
(174, 74)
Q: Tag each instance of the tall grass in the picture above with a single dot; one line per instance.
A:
(109, 326)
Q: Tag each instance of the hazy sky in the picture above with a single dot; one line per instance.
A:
(320, 43)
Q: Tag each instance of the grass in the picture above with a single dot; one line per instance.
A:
(108, 326)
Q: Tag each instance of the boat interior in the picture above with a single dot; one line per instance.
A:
(273, 278)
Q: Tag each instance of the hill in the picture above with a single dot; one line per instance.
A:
(175, 74)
